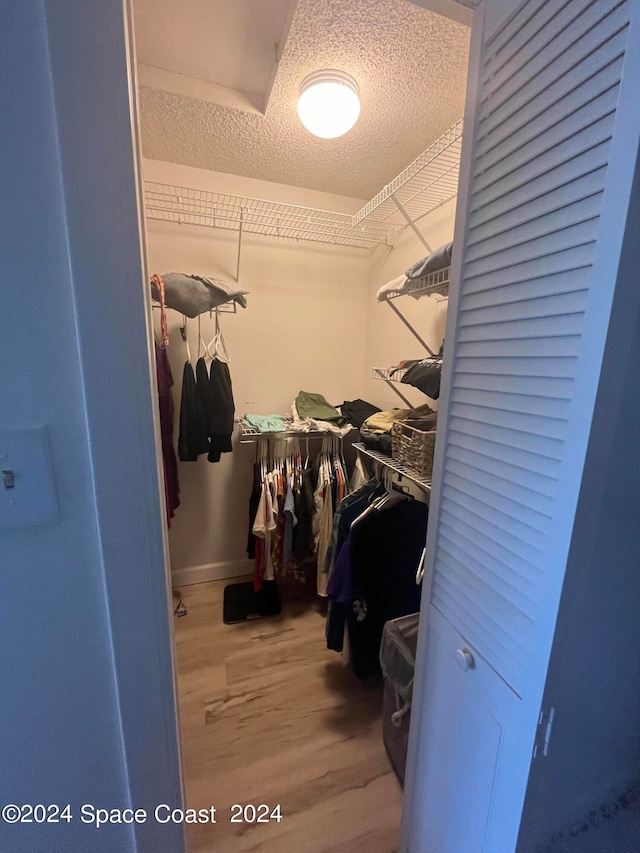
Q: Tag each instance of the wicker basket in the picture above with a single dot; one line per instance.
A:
(413, 447)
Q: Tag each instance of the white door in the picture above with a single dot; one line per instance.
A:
(542, 180)
(459, 687)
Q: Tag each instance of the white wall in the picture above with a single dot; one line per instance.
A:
(61, 740)
(388, 339)
(303, 329)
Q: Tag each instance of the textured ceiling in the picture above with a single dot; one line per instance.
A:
(222, 51)
(410, 65)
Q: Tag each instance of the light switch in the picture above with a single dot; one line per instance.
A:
(27, 491)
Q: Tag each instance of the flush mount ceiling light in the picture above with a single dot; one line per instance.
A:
(329, 103)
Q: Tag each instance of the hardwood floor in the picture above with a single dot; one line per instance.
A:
(269, 715)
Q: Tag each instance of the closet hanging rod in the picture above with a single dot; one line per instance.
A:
(230, 307)
(249, 435)
(397, 467)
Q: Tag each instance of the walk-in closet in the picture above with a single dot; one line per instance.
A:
(313, 273)
(319, 424)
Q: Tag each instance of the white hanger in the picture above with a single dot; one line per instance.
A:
(216, 348)
(420, 571)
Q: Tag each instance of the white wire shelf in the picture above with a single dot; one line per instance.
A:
(430, 181)
(397, 467)
(250, 435)
(388, 374)
(434, 284)
(188, 206)
(230, 307)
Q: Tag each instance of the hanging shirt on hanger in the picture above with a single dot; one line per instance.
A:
(303, 538)
(165, 402)
(216, 399)
(290, 523)
(193, 439)
(264, 525)
(385, 550)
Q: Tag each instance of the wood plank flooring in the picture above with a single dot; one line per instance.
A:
(269, 715)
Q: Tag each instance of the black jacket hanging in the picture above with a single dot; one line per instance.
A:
(193, 439)
(216, 399)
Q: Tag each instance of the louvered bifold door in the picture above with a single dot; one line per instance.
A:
(546, 109)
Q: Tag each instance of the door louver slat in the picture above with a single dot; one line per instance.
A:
(555, 50)
(588, 80)
(545, 139)
(581, 165)
(573, 213)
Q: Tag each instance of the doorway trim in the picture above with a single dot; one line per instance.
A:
(91, 56)
(93, 76)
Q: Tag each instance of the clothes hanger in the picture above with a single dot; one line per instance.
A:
(420, 569)
(200, 341)
(185, 337)
(393, 492)
(264, 449)
(217, 349)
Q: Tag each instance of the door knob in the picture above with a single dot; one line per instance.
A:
(465, 659)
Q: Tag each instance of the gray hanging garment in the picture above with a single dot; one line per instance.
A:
(192, 294)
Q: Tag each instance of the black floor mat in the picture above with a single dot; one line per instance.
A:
(241, 602)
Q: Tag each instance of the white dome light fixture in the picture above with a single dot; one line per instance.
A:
(329, 103)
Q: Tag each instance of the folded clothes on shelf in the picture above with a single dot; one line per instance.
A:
(405, 284)
(437, 260)
(382, 422)
(310, 405)
(424, 375)
(379, 441)
(266, 423)
(396, 287)
(422, 417)
(357, 411)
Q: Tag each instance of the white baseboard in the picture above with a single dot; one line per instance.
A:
(211, 572)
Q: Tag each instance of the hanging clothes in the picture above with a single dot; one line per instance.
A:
(264, 525)
(165, 404)
(254, 502)
(331, 487)
(277, 539)
(385, 551)
(303, 539)
(158, 284)
(325, 526)
(374, 576)
(192, 295)
(193, 439)
(340, 595)
(216, 400)
(290, 522)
